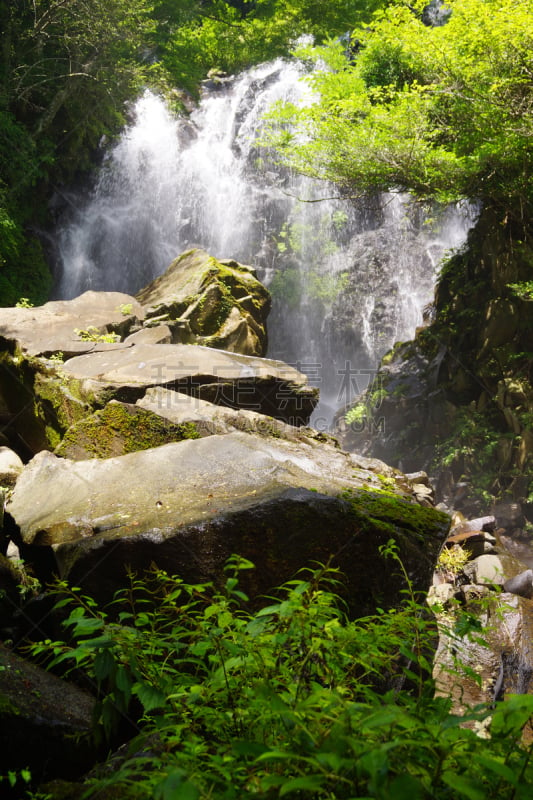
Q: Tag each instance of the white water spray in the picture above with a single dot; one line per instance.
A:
(348, 279)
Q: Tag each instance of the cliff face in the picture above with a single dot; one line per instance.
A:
(458, 400)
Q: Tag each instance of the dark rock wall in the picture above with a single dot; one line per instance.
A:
(458, 400)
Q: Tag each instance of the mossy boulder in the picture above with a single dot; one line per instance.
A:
(209, 419)
(227, 379)
(37, 404)
(210, 302)
(121, 428)
(41, 398)
(187, 506)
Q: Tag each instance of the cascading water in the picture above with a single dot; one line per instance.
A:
(348, 279)
(170, 184)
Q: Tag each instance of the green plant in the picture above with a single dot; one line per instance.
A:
(126, 308)
(16, 778)
(92, 334)
(29, 585)
(24, 302)
(393, 116)
(292, 700)
(522, 290)
(470, 451)
(356, 414)
(387, 483)
(452, 559)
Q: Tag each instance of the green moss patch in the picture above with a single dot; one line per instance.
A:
(392, 514)
(120, 428)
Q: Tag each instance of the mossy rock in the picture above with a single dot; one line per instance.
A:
(121, 428)
(211, 310)
(223, 302)
(40, 402)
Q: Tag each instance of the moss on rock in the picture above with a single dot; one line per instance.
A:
(121, 428)
(223, 302)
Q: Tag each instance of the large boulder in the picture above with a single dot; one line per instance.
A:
(227, 379)
(121, 428)
(209, 418)
(188, 506)
(36, 404)
(69, 327)
(44, 721)
(162, 416)
(45, 389)
(214, 303)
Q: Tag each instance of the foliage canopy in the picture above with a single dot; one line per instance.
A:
(441, 110)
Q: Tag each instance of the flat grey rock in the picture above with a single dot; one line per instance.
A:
(51, 328)
(229, 379)
(188, 506)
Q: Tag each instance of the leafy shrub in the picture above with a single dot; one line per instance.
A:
(452, 559)
(294, 700)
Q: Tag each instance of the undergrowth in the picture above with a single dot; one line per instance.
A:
(294, 700)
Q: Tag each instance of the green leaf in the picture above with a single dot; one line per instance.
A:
(269, 611)
(25, 774)
(224, 619)
(211, 610)
(465, 787)
(150, 697)
(84, 626)
(176, 786)
(496, 765)
(123, 681)
(98, 643)
(104, 665)
(406, 787)
(248, 748)
(276, 755)
(309, 783)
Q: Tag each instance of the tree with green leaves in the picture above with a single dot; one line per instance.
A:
(444, 111)
(67, 67)
(233, 35)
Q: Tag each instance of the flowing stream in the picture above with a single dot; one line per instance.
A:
(348, 278)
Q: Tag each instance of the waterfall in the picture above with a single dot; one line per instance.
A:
(348, 278)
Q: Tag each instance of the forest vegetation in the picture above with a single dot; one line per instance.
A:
(295, 699)
(441, 110)
(292, 700)
(68, 68)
